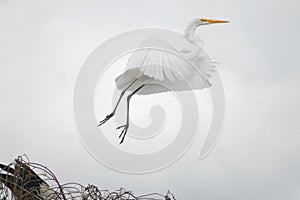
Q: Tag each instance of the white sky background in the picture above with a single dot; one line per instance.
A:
(43, 45)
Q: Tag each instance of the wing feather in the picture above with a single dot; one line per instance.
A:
(160, 60)
(166, 68)
(137, 58)
(174, 66)
(159, 67)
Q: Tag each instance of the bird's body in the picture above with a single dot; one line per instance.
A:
(162, 67)
(24, 183)
(159, 67)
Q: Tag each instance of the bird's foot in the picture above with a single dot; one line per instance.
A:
(123, 133)
(106, 119)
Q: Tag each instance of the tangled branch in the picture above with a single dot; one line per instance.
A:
(20, 186)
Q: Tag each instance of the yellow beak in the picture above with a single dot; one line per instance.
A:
(214, 21)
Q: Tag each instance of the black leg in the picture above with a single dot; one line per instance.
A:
(125, 127)
(113, 112)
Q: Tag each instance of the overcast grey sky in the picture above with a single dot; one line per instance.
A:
(44, 43)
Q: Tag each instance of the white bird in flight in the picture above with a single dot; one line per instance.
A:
(154, 70)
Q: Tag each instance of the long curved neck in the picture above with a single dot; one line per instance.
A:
(190, 32)
(191, 36)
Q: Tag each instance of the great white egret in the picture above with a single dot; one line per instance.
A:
(24, 183)
(149, 70)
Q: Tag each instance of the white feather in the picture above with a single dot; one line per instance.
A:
(162, 64)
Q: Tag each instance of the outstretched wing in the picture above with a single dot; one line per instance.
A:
(159, 60)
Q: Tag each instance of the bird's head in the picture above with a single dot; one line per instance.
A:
(190, 29)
